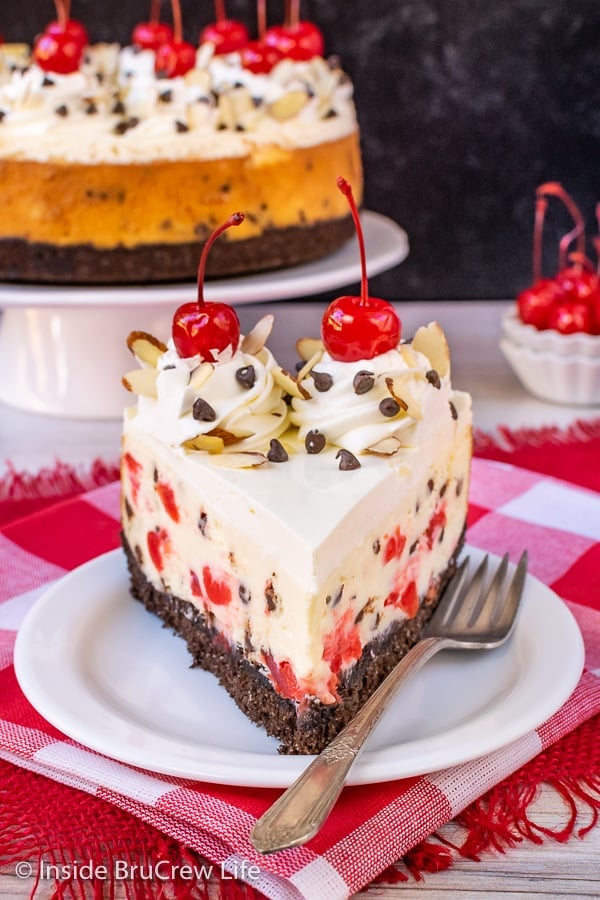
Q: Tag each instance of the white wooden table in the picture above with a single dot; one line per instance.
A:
(552, 870)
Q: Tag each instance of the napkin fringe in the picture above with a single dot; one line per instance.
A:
(22, 493)
(513, 440)
(504, 817)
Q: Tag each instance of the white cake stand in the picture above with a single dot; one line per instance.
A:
(63, 351)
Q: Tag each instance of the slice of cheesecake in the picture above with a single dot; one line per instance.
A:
(296, 532)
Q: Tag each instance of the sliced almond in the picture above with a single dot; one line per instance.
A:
(431, 340)
(386, 447)
(256, 339)
(229, 437)
(208, 443)
(141, 381)
(240, 460)
(288, 105)
(306, 347)
(309, 365)
(200, 375)
(145, 347)
(289, 384)
(408, 355)
(400, 389)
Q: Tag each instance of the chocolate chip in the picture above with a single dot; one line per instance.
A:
(62, 110)
(47, 82)
(389, 407)
(314, 441)
(2, 114)
(91, 109)
(453, 411)
(203, 411)
(271, 596)
(330, 114)
(322, 381)
(335, 599)
(155, 475)
(165, 97)
(245, 595)
(433, 378)
(430, 485)
(181, 127)
(376, 546)
(413, 547)
(202, 522)
(347, 460)
(120, 127)
(119, 108)
(443, 488)
(128, 509)
(363, 381)
(246, 376)
(459, 487)
(277, 452)
(138, 554)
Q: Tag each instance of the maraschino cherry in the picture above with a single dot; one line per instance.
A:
(295, 39)
(175, 57)
(566, 301)
(227, 35)
(205, 329)
(258, 56)
(151, 34)
(362, 327)
(60, 47)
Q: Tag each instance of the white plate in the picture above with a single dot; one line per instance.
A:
(386, 246)
(104, 671)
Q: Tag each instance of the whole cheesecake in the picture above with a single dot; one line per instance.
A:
(113, 174)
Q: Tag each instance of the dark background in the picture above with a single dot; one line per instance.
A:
(465, 107)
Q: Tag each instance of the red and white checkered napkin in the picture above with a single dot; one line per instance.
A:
(372, 825)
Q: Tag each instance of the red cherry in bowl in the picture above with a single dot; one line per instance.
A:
(207, 329)
(362, 327)
(576, 281)
(536, 302)
(571, 317)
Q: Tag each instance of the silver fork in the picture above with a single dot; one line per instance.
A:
(470, 616)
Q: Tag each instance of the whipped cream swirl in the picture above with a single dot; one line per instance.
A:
(248, 405)
(349, 414)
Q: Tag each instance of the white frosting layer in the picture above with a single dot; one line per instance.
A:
(116, 110)
(259, 412)
(353, 420)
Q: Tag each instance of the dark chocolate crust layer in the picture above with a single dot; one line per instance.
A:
(315, 727)
(86, 264)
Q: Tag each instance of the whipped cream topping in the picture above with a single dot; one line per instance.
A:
(349, 414)
(252, 413)
(115, 109)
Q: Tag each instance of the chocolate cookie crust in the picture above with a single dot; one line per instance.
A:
(85, 264)
(252, 691)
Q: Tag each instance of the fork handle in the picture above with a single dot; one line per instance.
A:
(301, 810)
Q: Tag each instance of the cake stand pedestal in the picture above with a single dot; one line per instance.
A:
(63, 350)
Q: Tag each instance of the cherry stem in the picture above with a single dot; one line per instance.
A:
(62, 13)
(234, 219)
(155, 11)
(220, 14)
(177, 24)
(261, 17)
(346, 190)
(582, 261)
(541, 205)
(293, 16)
(554, 189)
